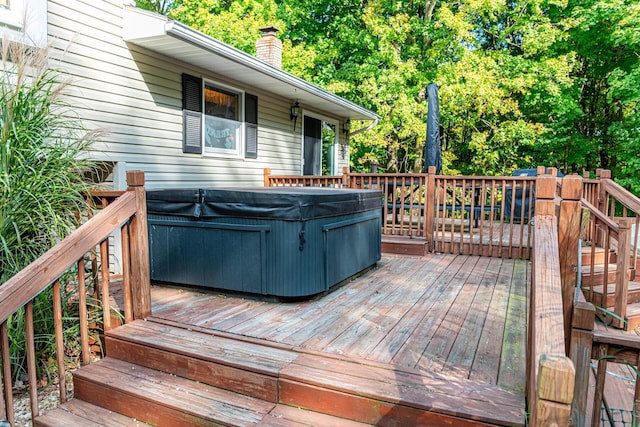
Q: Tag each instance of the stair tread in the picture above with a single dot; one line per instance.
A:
(428, 391)
(169, 391)
(79, 413)
(230, 352)
(199, 400)
(634, 286)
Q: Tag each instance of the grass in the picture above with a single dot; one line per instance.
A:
(42, 183)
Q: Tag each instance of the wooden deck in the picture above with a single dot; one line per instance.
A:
(619, 386)
(461, 318)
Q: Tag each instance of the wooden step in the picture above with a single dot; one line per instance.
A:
(633, 294)
(599, 255)
(599, 277)
(404, 245)
(82, 414)
(166, 400)
(633, 316)
(360, 391)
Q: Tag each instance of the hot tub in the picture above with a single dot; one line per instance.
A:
(282, 242)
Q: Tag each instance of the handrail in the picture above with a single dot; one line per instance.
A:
(126, 214)
(608, 222)
(622, 195)
(33, 279)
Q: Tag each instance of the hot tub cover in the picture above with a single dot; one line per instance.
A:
(285, 203)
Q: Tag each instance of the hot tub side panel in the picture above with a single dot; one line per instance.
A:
(268, 257)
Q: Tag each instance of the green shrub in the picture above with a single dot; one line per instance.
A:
(42, 174)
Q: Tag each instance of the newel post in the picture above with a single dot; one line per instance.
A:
(267, 174)
(568, 244)
(139, 241)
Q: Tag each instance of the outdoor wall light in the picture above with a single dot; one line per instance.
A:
(295, 111)
(346, 127)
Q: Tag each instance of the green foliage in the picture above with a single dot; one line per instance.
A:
(522, 83)
(41, 166)
(42, 182)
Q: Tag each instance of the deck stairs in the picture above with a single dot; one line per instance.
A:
(599, 278)
(169, 374)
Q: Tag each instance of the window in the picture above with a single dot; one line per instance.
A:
(24, 21)
(218, 120)
(222, 124)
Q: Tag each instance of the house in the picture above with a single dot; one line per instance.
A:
(185, 108)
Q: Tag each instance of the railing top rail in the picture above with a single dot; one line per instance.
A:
(34, 278)
(622, 195)
(600, 216)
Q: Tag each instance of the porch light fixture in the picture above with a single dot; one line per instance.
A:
(346, 127)
(295, 111)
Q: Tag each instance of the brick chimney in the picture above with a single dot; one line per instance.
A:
(269, 47)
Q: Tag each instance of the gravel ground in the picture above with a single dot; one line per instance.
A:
(48, 398)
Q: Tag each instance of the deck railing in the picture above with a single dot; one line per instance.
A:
(611, 236)
(487, 216)
(68, 258)
(589, 346)
(550, 374)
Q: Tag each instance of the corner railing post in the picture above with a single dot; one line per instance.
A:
(345, 177)
(568, 242)
(556, 381)
(581, 342)
(430, 208)
(267, 174)
(139, 241)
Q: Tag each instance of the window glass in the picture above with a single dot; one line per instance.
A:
(222, 125)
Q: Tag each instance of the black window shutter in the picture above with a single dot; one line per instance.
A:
(191, 114)
(251, 119)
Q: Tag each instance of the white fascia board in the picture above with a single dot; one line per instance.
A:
(142, 25)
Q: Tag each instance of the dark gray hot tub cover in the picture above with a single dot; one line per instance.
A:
(285, 203)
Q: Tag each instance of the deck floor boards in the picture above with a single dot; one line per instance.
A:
(464, 316)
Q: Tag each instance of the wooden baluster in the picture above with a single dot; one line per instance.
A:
(599, 391)
(82, 313)
(512, 209)
(31, 358)
(7, 397)
(3, 407)
(430, 207)
(636, 394)
(622, 270)
(126, 274)
(105, 277)
(57, 323)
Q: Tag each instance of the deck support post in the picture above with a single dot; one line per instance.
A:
(568, 242)
(583, 321)
(139, 241)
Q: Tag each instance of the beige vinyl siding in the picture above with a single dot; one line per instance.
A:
(135, 95)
